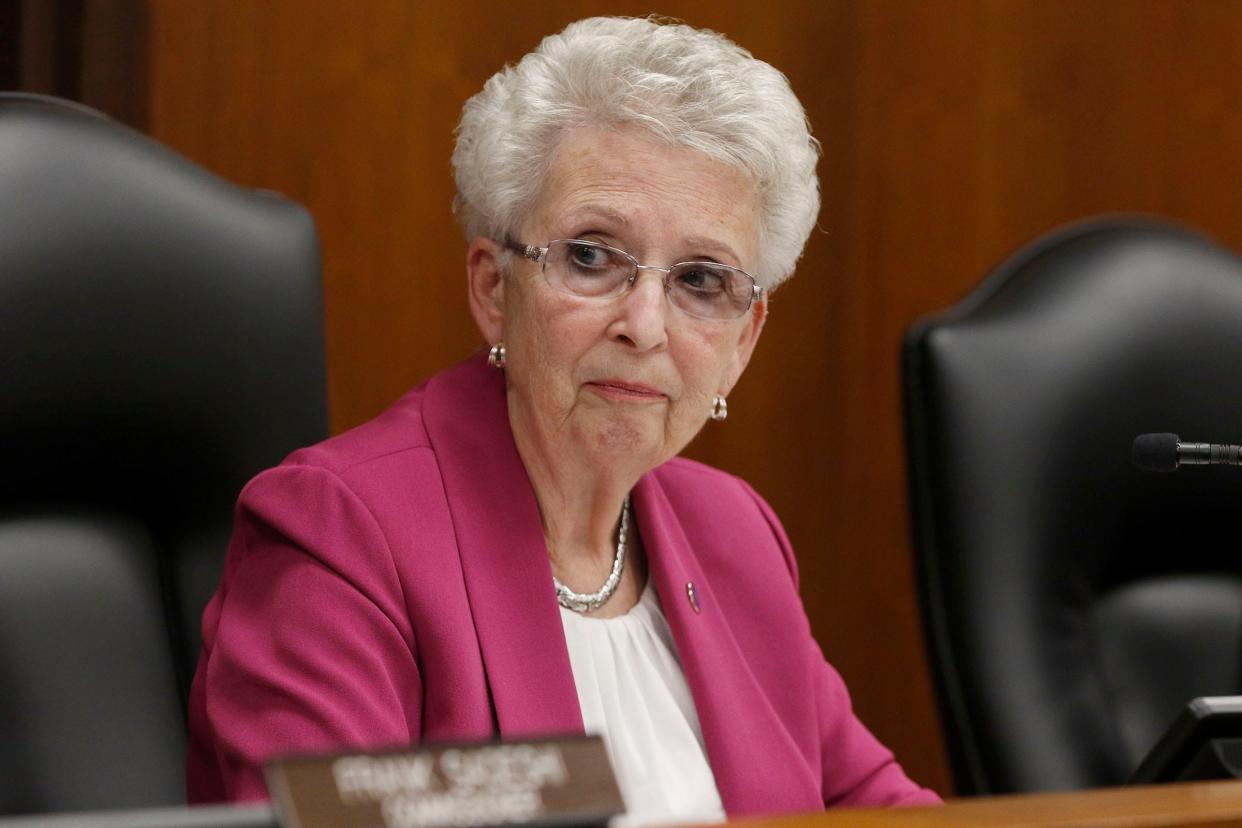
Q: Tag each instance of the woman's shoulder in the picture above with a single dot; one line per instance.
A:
(398, 429)
(689, 483)
(720, 510)
(353, 467)
(685, 470)
(402, 428)
(346, 498)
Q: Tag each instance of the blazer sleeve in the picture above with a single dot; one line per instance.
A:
(858, 771)
(307, 646)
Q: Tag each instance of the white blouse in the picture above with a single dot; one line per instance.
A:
(633, 693)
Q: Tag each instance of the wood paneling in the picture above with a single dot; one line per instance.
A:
(953, 131)
(48, 53)
(10, 45)
(93, 51)
(113, 64)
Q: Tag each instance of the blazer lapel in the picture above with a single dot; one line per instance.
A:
(504, 558)
(751, 754)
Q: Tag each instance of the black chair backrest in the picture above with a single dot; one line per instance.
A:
(161, 340)
(1073, 604)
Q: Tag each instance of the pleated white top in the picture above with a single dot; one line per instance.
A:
(633, 693)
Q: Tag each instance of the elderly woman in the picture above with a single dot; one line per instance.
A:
(513, 548)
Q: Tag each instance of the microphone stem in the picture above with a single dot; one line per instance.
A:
(1228, 455)
(1204, 454)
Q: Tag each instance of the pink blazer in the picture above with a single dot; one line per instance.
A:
(391, 585)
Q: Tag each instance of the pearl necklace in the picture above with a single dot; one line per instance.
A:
(586, 602)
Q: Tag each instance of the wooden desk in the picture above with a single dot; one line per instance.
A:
(1191, 804)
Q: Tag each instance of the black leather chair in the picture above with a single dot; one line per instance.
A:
(161, 340)
(1074, 604)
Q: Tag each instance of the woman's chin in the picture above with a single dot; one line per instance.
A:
(632, 439)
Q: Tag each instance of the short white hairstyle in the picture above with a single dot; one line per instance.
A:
(691, 87)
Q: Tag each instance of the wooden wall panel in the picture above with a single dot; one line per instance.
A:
(92, 51)
(10, 44)
(953, 132)
(114, 61)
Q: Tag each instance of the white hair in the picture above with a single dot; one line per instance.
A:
(691, 87)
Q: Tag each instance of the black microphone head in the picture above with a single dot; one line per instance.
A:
(1155, 452)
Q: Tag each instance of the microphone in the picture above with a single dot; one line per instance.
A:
(1165, 452)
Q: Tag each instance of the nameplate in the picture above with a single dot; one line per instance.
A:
(564, 781)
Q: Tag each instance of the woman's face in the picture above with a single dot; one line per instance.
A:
(629, 379)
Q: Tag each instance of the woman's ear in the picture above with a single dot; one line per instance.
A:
(748, 337)
(486, 284)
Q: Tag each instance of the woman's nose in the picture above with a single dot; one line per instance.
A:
(642, 316)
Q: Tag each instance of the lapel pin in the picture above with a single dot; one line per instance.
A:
(692, 595)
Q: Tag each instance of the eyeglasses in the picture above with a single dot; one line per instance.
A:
(705, 290)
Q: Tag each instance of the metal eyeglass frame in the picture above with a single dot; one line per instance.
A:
(539, 255)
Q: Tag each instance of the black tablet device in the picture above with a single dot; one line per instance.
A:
(1204, 742)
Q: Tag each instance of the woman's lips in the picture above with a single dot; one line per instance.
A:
(621, 390)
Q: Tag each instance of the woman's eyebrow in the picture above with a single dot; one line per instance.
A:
(598, 211)
(712, 247)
